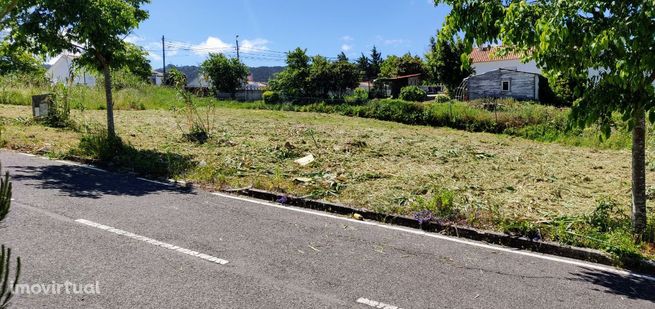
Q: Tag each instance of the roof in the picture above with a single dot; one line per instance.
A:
(400, 77)
(501, 69)
(487, 54)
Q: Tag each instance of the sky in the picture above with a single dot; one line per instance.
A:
(268, 28)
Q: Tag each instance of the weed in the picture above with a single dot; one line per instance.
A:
(440, 203)
(199, 123)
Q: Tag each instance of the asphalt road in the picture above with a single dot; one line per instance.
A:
(151, 245)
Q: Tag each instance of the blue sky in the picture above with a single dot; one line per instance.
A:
(266, 28)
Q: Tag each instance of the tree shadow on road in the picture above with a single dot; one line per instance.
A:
(79, 181)
(631, 287)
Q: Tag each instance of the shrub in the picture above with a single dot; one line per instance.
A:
(412, 93)
(271, 97)
(442, 98)
(199, 122)
(359, 96)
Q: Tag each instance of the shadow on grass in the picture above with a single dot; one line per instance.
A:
(631, 287)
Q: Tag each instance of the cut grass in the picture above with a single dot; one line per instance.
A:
(383, 166)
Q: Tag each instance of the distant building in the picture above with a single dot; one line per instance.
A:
(65, 71)
(504, 83)
(250, 90)
(393, 85)
(157, 78)
(484, 59)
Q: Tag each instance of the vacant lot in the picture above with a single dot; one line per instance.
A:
(366, 163)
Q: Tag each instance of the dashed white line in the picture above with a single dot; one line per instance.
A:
(447, 238)
(153, 242)
(376, 304)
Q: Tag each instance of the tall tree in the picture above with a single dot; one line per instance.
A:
(342, 57)
(399, 66)
(376, 62)
(136, 61)
(94, 29)
(444, 63)
(364, 67)
(224, 74)
(292, 82)
(345, 77)
(614, 39)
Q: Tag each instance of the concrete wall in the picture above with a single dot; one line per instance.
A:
(523, 86)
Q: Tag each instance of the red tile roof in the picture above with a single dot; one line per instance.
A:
(488, 54)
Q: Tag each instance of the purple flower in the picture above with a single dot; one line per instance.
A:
(423, 216)
(282, 200)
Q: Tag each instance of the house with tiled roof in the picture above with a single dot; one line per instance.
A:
(485, 59)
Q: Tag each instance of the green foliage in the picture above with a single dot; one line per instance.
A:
(224, 74)
(122, 79)
(136, 61)
(399, 66)
(271, 97)
(100, 25)
(111, 151)
(314, 79)
(198, 124)
(440, 203)
(5, 253)
(5, 194)
(442, 98)
(444, 63)
(376, 63)
(6, 290)
(359, 96)
(413, 93)
(292, 82)
(573, 38)
(175, 78)
(15, 60)
(59, 112)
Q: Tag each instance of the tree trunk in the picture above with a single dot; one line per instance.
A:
(111, 132)
(639, 173)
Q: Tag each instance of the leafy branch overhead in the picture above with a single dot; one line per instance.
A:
(608, 45)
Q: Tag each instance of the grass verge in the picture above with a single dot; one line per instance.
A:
(484, 180)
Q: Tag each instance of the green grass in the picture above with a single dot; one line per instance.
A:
(490, 181)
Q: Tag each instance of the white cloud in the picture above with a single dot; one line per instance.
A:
(211, 45)
(133, 38)
(346, 47)
(393, 42)
(254, 45)
(347, 38)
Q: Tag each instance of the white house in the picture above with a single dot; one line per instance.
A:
(483, 60)
(63, 70)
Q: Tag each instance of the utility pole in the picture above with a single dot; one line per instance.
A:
(163, 51)
(238, 58)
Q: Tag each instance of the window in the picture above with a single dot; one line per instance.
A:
(505, 85)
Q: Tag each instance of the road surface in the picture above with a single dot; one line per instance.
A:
(143, 244)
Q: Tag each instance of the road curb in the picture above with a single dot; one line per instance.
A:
(521, 243)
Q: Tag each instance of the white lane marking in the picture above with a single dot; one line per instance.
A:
(448, 238)
(27, 154)
(376, 304)
(433, 235)
(153, 242)
(155, 181)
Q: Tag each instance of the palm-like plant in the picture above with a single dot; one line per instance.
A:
(6, 292)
